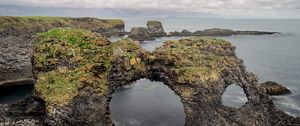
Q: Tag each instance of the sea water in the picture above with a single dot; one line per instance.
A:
(271, 57)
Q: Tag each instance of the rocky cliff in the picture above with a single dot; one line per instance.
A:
(16, 26)
(76, 72)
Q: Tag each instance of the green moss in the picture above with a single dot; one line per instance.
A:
(197, 59)
(68, 60)
(153, 22)
(40, 23)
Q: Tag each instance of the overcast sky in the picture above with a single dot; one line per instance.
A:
(225, 8)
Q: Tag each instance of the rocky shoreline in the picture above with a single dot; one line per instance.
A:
(76, 71)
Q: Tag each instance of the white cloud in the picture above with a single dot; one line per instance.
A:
(220, 7)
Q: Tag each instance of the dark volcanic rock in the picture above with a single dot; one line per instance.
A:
(140, 34)
(15, 63)
(27, 112)
(76, 77)
(199, 70)
(155, 28)
(273, 88)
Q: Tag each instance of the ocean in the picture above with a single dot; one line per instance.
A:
(271, 57)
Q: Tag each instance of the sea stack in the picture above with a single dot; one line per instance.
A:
(140, 34)
(155, 29)
(273, 88)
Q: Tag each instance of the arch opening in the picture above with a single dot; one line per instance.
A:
(234, 96)
(14, 93)
(146, 103)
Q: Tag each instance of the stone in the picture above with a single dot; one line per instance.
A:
(155, 29)
(185, 33)
(140, 34)
(198, 69)
(273, 88)
(174, 33)
(15, 63)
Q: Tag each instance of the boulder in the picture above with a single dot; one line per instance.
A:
(273, 88)
(140, 34)
(155, 28)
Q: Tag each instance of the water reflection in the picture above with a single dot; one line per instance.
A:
(146, 103)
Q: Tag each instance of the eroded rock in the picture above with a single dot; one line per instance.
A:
(155, 28)
(15, 63)
(76, 71)
(140, 34)
(273, 88)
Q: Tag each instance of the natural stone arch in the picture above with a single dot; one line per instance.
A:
(197, 69)
(158, 108)
(234, 96)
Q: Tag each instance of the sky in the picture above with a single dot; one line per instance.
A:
(222, 8)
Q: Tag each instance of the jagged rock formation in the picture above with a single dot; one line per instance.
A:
(16, 26)
(273, 88)
(155, 29)
(140, 34)
(76, 72)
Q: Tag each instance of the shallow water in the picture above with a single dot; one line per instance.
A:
(146, 103)
(275, 58)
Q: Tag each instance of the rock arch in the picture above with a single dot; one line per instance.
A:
(197, 69)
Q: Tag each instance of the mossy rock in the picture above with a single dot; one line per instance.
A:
(67, 60)
(196, 59)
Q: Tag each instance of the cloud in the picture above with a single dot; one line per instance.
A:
(220, 7)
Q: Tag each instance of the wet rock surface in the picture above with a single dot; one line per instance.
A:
(273, 88)
(140, 34)
(155, 28)
(76, 72)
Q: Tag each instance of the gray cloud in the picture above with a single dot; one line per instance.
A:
(219, 7)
